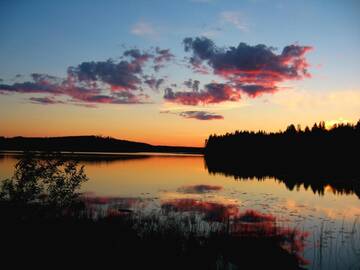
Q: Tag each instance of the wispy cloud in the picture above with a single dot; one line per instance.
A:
(45, 100)
(209, 33)
(201, 115)
(235, 18)
(198, 115)
(143, 29)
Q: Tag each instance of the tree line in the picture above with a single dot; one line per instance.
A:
(86, 144)
(324, 152)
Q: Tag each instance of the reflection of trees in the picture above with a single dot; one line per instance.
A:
(317, 181)
(107, 159)
(314, 157)
(94, 158)
(101, 158)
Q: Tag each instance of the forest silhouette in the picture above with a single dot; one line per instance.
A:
(314, 157)
(87, 144)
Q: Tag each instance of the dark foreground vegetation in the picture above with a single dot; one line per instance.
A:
(313, 157)
(47, 223)
(87, 144)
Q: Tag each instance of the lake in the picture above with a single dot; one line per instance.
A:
(330, 215)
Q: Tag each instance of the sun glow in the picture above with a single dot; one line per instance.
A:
(340, 121)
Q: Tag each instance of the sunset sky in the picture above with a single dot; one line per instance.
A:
(174, 72)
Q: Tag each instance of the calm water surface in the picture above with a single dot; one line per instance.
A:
(331, 219)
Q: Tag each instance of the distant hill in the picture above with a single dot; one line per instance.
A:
(87, 144)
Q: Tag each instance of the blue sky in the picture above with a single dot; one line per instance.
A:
(49, 36)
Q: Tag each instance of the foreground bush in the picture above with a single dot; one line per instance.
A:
(46, 179)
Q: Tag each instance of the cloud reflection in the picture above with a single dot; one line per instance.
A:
(199, 189)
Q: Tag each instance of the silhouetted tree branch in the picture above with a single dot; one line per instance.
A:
(47, 179)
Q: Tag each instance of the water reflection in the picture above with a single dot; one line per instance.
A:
(199, 189)
(344, 182)
(325, 206)
(235, 239)
(212, 211)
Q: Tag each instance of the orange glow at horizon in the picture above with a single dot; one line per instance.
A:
(167, 140)
(146, 124)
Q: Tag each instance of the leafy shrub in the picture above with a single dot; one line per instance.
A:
(48, 179)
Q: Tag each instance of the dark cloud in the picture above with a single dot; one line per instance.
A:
(212, 93)
(45, 100)
(123, 75)
(153, 83)
(199, 189)
(246, 60)
(137, 56)
(120, 76)
(113, 82)
(158, 83)
(253, 70)
(44, 78)
(202, 48)
(44, 84)
(31, 87)
(243, 70)
(124, 99)
(192, 84)
(254, 90)
(188, 83)
(162, 56)
(201, 115)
